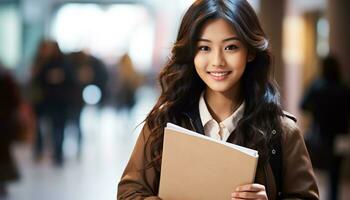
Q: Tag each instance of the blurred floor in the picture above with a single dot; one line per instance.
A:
(322, 181)
(109, 137)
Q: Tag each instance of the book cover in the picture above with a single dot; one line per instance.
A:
(195, 166)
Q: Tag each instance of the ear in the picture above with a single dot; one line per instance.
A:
(250, 56)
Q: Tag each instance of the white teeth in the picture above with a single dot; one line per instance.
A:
(219, 73)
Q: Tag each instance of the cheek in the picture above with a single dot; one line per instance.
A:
(238, 62)
(200, 63)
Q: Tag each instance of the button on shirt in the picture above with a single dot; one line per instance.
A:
(219, 131)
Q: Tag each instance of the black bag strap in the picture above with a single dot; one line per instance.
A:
(276, 157)
(276, 162)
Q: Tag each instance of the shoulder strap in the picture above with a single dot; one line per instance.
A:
(276, 162)
(276, 157)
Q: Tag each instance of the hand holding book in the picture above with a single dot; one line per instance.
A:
(250, 191)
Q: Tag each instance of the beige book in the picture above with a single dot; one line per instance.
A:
(195, 166)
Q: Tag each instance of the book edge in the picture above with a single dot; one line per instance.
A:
(248, 151)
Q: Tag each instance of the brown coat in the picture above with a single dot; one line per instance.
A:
(297, 173)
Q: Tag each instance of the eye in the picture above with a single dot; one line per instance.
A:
(231, 47)
(203, 48)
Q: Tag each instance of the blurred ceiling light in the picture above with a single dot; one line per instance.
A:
(322, 37)
(10, 35)
(106, 31)
(92, 94)
(293, 39)
(140, 43)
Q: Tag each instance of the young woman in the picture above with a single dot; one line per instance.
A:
(217, 82)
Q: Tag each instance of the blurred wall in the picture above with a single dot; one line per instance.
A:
(272, 23)
(339, 19)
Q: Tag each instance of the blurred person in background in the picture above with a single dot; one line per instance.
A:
(10, 101)
(327, 100)
(36, 93)
(52, 92)
(128, 81)
(88, 70)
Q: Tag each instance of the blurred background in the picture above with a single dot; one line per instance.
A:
(78, 77)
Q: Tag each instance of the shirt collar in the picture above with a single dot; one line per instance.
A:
(203, 110)
(230, 123)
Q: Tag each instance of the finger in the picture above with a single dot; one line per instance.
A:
(249, 195)
(250, 188)
(243, 198)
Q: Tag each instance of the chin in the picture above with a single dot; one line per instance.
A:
(219, 89)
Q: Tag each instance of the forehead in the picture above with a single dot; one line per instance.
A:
(217, 28)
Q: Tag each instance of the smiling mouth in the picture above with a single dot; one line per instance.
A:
(219, 74)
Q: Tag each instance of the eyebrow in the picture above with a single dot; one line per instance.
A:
(225, 40)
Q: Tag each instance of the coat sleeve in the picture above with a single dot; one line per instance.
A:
(298, 177)
(138, 182)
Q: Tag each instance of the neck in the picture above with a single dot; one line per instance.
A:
(221, 105)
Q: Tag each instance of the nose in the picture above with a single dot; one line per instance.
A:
(218, 58)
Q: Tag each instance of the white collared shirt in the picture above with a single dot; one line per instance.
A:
(219, 131)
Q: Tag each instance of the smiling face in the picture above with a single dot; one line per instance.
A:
(220, 57)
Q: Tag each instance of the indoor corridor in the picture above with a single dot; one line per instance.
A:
(108, 139)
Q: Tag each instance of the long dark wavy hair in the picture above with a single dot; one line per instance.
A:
(181, 85)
